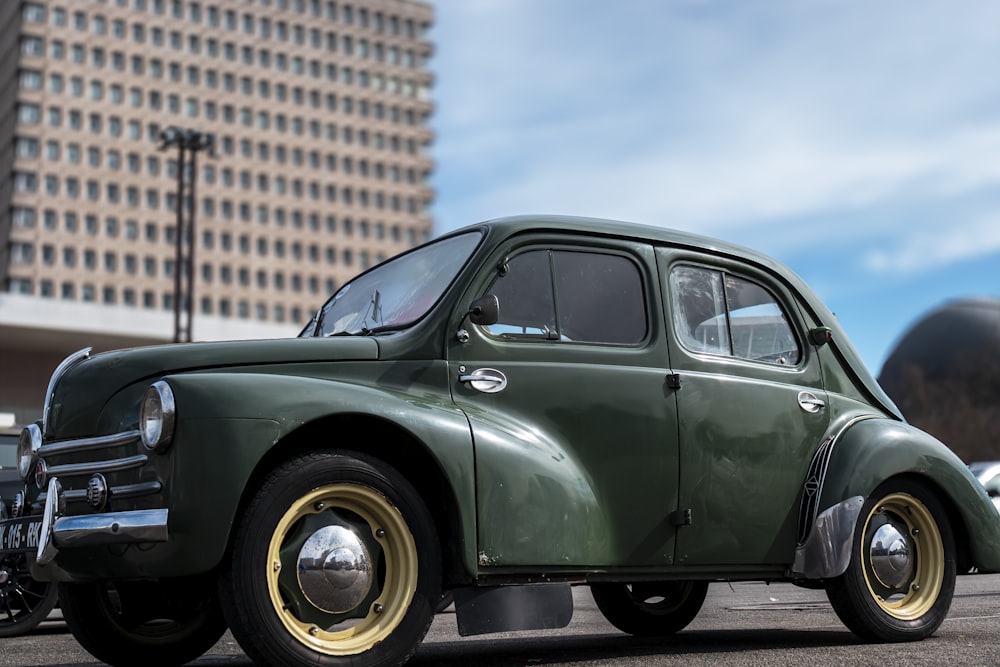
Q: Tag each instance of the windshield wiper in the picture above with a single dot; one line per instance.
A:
(385, 329)
(375, 308)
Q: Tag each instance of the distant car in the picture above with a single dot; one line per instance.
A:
(24, 601)
(988, 474)
(516, 407)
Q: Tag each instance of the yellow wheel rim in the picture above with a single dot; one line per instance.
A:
(397, 579)
(902, 556)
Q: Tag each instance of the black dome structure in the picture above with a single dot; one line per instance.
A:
(944, 374)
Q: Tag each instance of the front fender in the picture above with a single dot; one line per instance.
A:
(874, 450)
(227, 422)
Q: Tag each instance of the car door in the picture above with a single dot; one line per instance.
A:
(574, 426)
(751, 406)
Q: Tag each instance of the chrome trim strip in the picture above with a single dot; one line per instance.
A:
(116, 492)
(86, 444)
(134, 490)
(813, 491)
(61, 369)
(110, 528)
(90, 467)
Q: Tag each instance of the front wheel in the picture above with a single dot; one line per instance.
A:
(336, 562)
(653, 609)
(901, 577)
(151, 623)
(24, 602)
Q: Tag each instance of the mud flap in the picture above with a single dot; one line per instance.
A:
(485, 610)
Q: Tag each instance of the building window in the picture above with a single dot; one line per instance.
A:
(27, 147)
(30, 79)
(31, 114)
(23, 217)
(32, 46)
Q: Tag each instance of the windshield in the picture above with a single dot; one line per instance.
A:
(397, 293)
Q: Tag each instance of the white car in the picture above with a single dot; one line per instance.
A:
(988, 474)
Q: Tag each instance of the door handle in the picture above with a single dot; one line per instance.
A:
(810, 403)
(486, 380)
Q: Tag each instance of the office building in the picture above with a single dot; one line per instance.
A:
(319, 114)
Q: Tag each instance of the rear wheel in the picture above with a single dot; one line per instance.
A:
(336, 563)
(901, 577)
(150, 623)
(652, 609)
(24, 601)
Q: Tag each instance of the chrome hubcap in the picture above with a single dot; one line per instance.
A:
(334, 569)
(891, 556)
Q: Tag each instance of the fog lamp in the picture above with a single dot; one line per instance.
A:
(41, 474)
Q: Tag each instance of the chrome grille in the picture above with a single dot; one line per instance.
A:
(89, 468)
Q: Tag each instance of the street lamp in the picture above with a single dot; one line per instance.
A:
(188, 143)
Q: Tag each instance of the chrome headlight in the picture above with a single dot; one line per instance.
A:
(156, 417)
(28, 445)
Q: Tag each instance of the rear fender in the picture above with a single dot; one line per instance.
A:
(869, 452)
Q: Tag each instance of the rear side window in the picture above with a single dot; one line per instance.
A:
(718, 313)
(565, 295)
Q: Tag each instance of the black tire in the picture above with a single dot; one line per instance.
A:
(329, 517)
(901, 577)
(154, 624)
(24, 602)
(651, 609)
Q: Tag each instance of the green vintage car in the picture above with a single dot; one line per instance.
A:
(517, 407)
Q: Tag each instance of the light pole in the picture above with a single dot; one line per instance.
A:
(188, 143)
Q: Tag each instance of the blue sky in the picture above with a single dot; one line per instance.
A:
(857, 142)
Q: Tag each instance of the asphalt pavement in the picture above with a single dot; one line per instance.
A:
(742, 624)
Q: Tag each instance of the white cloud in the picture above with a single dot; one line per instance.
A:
(714, 116)
(939, 245)
(748, 183)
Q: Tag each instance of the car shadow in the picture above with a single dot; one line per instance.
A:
(542, 650)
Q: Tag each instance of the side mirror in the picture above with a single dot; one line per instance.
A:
(821, 335)
(485, 310)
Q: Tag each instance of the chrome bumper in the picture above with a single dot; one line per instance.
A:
(59, 532)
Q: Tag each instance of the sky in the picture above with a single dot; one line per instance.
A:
(857, 142)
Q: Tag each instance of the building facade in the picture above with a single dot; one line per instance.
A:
(319, 115)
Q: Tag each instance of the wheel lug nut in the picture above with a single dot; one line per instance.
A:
(319, 506)
(314, 631)
(277, 566)
(915, 532)
(915, 587)
(377, 608)
(380, 533)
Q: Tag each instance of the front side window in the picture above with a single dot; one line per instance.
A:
(566, 295)
(718, 313)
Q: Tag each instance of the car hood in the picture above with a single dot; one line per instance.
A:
(83, 391)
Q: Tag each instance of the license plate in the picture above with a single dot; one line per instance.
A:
(20, 535)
